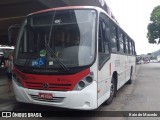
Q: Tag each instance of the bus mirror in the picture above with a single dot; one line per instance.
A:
(13, 33)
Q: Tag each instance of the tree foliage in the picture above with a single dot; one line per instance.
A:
(153, 34)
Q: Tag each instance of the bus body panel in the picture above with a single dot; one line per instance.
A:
(121, 64)
(121, 70)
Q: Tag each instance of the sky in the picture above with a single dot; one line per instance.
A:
(133, 16)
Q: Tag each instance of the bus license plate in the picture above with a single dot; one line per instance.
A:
(45, 96)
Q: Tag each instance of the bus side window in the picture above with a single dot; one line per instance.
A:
(133, 48)
(114, 40)
(105, 29)
(100, 40)
(121, 41)
(130, 47)
(126, 45)
(103, 41)
(103, 38)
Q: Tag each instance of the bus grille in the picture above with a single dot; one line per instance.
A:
(55, 99)
(51, 87)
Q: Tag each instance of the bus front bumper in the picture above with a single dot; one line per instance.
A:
(85, 99)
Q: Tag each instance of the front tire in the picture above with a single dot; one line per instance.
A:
(112, 92)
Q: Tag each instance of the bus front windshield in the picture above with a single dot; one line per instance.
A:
(57, 39)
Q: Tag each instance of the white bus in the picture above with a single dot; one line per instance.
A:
(74, 57)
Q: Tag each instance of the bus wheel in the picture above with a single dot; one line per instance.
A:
(130, 79)
(112, 92)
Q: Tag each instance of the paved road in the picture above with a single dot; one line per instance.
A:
(142, 95)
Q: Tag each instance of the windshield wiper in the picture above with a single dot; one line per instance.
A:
(49, 49)
(27, 60)
(57, 59)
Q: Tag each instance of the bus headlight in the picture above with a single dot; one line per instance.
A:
(89, 79)
(81, 84)
(84, 82)
(17, 80)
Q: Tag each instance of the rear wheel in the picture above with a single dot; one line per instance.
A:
(130, 79)
(112, 92)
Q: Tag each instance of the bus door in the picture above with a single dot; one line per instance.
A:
(103, 56)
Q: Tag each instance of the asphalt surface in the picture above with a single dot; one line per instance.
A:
(142, 95)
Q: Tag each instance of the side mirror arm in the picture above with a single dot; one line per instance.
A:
(10, 31)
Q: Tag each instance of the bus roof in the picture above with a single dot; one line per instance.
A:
(75, 7)
(58, 8)
(68, 3)
(71, 4)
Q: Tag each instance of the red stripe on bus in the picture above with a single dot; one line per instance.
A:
(54, 82)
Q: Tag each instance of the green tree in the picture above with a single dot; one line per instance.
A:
(153, 34)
